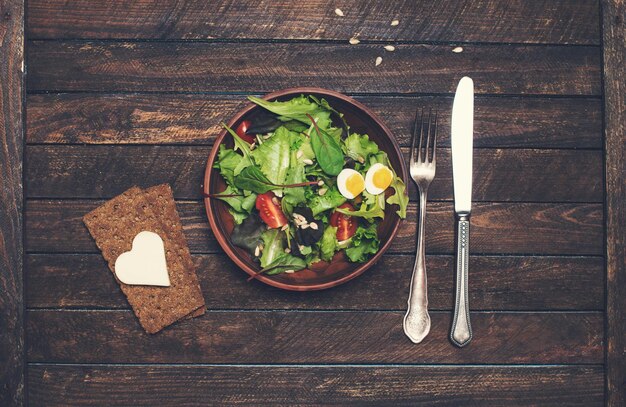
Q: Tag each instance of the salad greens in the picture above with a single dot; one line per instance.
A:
(286, 191)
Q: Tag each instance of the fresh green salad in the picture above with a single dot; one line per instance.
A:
(301, 186)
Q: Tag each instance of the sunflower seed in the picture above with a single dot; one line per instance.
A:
(287, 250)
(301, 247)
(395, 22)
(390, 48)
(322, 191)
(304, 226)
(299, 154)
(313, 225)
(354, 41)
(278, 193)
(379, 60)
(339, 12)
(361, 159)
(457, 50)
(257, 251)
(307, 161)
(290, 271)
(275, 201)
(320, 182)
(252, 146)
(285, 227)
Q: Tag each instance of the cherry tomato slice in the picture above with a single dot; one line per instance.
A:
(270, 211)
(241, 131)
(346, 225)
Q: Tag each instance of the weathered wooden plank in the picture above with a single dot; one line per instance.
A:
(251, 67)
(499, 174)
(311, 337)
(563, 22)
(195, 119)
(11, 202)
(542, 229)
(502, 283)
(614, 34)
(55, 385)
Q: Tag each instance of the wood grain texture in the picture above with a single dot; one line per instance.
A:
(11, 203)
(195, 119)
(311, 337)
(499, 174)
(498, 283)
(614, 31)
(564, 21)
(497, 228)
(315, 385)
(251, 68)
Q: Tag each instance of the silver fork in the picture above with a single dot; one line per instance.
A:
(417, 321)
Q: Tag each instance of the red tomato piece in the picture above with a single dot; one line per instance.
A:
(346, 225)
(269, 209)
(242, 129)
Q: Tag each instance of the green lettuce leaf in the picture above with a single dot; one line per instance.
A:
(242, 203)
(368, 210)
(331, 199)
(252, 179)
(296, 109)
(273, 246)
(364, 243)
(227, 161)
(283, 263)
(400, 197)
(359, 147)
(328, 243)
(273, 156)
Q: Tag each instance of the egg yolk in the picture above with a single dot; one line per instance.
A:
(355, 184)
(382, 178)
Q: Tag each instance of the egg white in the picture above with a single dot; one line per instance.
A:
(369, 178)
(342, 179)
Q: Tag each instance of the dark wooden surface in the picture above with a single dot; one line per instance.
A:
(122, 93)
(614, 13)
(11, 203)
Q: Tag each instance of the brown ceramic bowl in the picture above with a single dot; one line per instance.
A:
(322, 275)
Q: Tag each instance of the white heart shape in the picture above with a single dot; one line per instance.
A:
(145, 263)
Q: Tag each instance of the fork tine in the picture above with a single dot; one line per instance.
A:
(415, 124)
(435, 138)
(420, 145)
(427, 146)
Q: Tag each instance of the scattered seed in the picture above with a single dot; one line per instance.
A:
(257, 251)
(307, 161)
(354, 41)
(457, 50)
(304, 226)
(361, 159)
(285, 227)
(379, 60)
(301, 247)
(395, 23)
(322, 191)
(252, 146)
(266, 136)
(290, 271)
(299, 154)
(275, 200)
(390, 48)
(320, 182)
(287, 250)
(339, 12)
(278, 193)
(313, 225)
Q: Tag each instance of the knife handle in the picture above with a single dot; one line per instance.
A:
(461, 333)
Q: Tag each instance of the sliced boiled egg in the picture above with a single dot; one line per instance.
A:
(350, 183)
(378, 178)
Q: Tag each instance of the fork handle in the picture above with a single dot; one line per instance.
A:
(416, 322)
(461, 333)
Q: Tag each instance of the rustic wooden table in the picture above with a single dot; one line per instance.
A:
(113, 94)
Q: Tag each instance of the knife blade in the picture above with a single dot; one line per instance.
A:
(462, 144)
(462, 134)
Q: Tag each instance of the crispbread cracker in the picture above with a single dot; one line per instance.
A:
(114, 226)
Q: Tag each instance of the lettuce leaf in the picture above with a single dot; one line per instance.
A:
(283, 263)
(359, 147)
(331, 199)
(328, 243)
(273, 156)
(227, 161)
(364, 243)
(296, 109)
(400, 198)
(273, 246)
(370, 208)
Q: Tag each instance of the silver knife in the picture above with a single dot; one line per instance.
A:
(462, 144)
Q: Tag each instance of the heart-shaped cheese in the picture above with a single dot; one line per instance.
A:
(145, 263)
